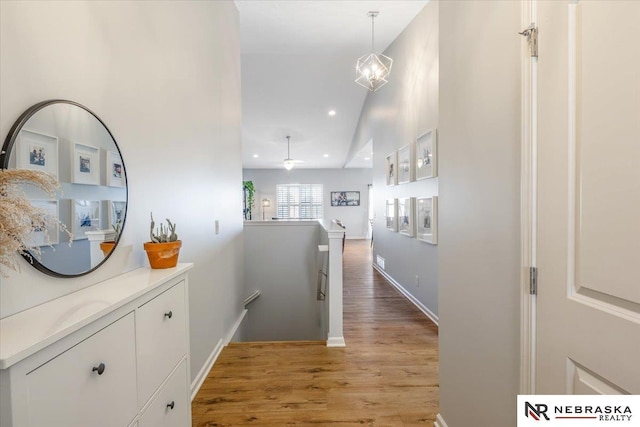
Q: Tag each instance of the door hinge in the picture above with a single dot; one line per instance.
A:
(531, 33)
(533, 280)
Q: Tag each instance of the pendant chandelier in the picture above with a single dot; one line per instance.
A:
(373, 69)
(288, 162)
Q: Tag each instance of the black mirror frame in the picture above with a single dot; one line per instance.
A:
(5, 154)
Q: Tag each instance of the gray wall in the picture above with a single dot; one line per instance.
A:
(165, 78)
(479, 249)
(355, 218)
(281, 261)
(395, 116)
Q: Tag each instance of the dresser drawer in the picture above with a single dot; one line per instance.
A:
(171, 406)
(161, 330)
(91, 384)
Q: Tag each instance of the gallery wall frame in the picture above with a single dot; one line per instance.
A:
(37, 151)
(85, 164)
(427, 219)
(114, 170)
(116, 212)
(406, 212)
(405, 169)
(391, 215)
(426, 158)
(85, 216)
(49, 235)
(391, 175)
(345, 198)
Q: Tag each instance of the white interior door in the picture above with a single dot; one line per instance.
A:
(588, 251)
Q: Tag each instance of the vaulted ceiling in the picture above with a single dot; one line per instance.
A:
(298, 63)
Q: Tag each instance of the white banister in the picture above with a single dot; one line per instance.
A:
(335, 234)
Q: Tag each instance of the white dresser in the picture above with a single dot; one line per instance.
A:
(110, 355)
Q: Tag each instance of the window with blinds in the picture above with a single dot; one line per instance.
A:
(299, 201)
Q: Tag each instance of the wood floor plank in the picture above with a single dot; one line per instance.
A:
(386, 376)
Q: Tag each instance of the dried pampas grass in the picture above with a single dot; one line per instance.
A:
(18, 217)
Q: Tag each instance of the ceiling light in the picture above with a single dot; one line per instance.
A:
(288, 162)
(325, 156)
(255, 156)
(373, 69)
(367, 158)
(332, 113)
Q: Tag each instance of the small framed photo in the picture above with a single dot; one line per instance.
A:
(426, 155)
(85, 216)
(85, 165)
(47, 235)
(427, 219)
(37, 151)
(391, 214)
(116, 213)
(114, 170)
(345, 198)
(405, 171)
(406, 208)
(391, 172)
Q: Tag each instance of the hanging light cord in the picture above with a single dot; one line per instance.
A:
(373, 16)
(288, 148)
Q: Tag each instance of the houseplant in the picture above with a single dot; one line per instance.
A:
(164, 247)
(107, 247)
(249, 192)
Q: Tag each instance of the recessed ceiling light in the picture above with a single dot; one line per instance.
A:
(326, 155)
(255, 156)
(367, 158)
(332, 113)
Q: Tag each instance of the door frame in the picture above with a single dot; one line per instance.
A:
(528, 203)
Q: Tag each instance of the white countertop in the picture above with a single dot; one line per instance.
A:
(29, 331)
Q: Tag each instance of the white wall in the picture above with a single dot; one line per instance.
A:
(395, 116)
(355, 218)
(165, 79)
(479, 250)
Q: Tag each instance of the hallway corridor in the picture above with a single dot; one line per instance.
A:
(386, 376)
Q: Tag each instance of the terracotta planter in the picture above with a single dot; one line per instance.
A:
(107, 247)
(163, 255)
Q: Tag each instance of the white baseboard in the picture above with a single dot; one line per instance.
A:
(235, 327)
(408, 295)
(439, 421)
(336, 342)
(202, 375)
(356, 238)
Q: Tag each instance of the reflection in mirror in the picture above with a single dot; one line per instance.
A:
(68, 141)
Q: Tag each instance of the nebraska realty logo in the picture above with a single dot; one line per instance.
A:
(578, 410)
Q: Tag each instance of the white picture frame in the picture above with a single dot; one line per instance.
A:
(85, 216)
(49, 235)
(391, 169)
(85, 164)
(405, 169)
(391, 215)
(426, 158)
(37, 151)
(406, 221)
(427, 219)
(117, 211)
(114, 170)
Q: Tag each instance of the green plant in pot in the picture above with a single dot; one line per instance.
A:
(164, 247)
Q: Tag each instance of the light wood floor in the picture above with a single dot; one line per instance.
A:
(386, 376)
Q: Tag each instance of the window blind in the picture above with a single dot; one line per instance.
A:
(299, 201)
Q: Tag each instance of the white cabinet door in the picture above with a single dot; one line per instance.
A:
(172, 406)
(161, 329)
(588, 198)
(91, 384)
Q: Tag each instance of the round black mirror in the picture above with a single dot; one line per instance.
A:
(70, 142)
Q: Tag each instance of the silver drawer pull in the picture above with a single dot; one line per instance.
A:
(171, 405)
(169, 314)
(99, 368)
